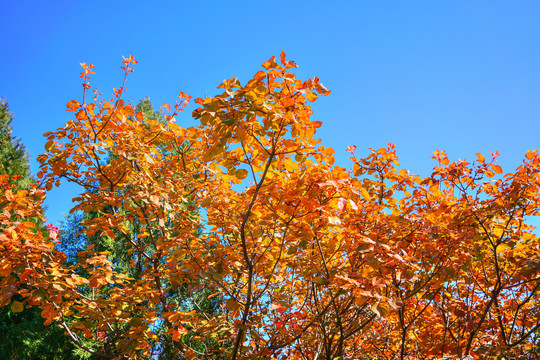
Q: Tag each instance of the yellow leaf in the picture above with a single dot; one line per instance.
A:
(365, 194)
(503, 248)
(498, 232)
(311, 96)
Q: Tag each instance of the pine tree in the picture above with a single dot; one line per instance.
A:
(13, 155)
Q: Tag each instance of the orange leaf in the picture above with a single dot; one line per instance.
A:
(481, 158)
(231, 305)
(177, 333)
(497, 168)
(288, 101)
(49, 145)
(530, 154)
(17, 306)
(260, 75)
(282, 57)
(72, 105)
(270, 63)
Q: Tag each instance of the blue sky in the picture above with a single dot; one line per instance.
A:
(459, 76)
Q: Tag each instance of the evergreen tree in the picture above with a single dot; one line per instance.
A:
(13, 155)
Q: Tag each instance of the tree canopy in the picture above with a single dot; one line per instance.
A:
(308, 260)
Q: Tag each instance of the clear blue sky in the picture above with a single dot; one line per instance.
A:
(461, 76)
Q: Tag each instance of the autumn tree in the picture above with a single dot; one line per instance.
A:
(309, 260)
(23, 334)
(74, 240)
